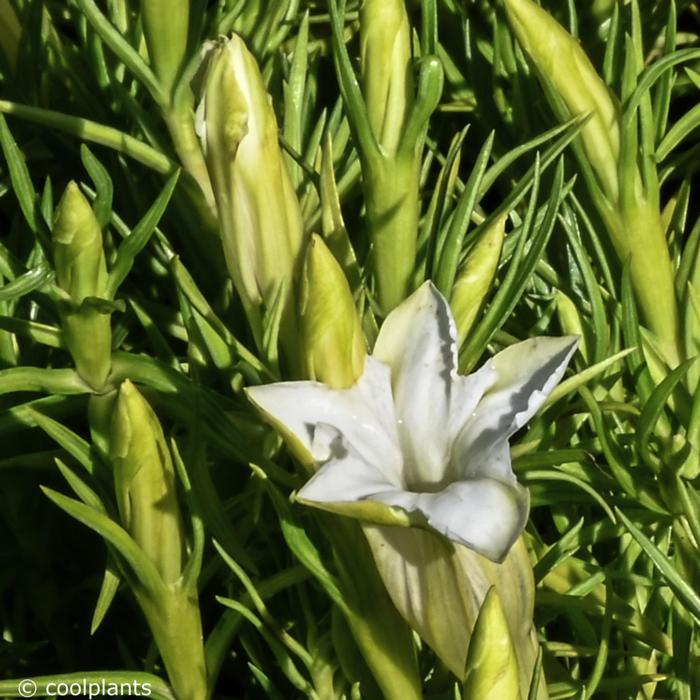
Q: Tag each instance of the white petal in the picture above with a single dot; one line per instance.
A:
(363, 414)
(526, 374)
(485, 515)
(418, 342)
(349, 485)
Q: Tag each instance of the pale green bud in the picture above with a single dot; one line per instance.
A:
(570, 320)
(492, 666)
(166, 26)
(261, 224)
(79, 259)
(439, 588)
(385, 60)
(144, 480)
(334, 347)
(630, 215)
(475, 278)
(81, 272)
(562, 62)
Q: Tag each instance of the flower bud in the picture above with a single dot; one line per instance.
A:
(385, 59)
(81, 272)
(440, 588)
(334, 347)
(564, 65)
(77, 246)
(165, 26)
(492, 667)
(630, 214)
(261, 224)
(476, 276)
(144, 480)
(570, 320)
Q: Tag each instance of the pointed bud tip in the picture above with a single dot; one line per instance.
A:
(72, 215)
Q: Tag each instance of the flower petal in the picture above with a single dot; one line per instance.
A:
(418, 342)
(349, 485)
(363, 415)
(486, 515)
(526, 373)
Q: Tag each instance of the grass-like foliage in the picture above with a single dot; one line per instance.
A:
(201, 198)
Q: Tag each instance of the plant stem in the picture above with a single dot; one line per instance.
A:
(176, 624)
(393, 208)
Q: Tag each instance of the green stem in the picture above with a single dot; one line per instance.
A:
(637, 233)
(92, 131)
(383, 637)
(175, 622)
(180, 123)
(393, 209)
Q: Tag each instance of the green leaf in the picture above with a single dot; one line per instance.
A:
(452, 249)
(115, 535)
(294, 93)
(572, 384)
(636, 361)
(26, 283)
(71, 442)
(519, 272)
(558, 552)
(103, 186)
(615, 460)
(662, 99)
(51, 381)
(358, 116)
(536, 475)
(650, 76)
(159, 344)
(428, 93)
(299, 543)
(22, 183)
(139, 237)
(95, 132)
(193, 568)
(38, 332)
(80, 487)
(652, 411)
(124, 51)
(108, 590)
(284, 660)
(683, 590)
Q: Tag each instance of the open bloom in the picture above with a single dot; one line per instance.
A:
(414, 443)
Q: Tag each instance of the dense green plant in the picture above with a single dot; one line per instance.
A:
(199, 198)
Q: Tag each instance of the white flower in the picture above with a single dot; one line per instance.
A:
(413, 442)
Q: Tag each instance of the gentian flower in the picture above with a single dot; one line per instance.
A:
(414, 443)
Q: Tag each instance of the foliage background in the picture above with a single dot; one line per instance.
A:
(612, 466)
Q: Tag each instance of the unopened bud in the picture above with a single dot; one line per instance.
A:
(492, 666)
(334, 347)
(145, 482)
(385, 57)
(563, 64)
(262, 229)
(475, 278)
(81, 272)
(165, 27)
(77, 246)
